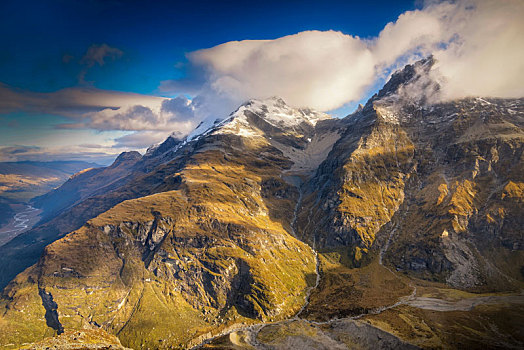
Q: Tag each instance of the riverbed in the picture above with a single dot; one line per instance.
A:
(22, 221)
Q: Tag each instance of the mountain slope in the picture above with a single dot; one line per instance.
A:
(6, 211)
(85, 184)
(431, 182)
(418, 202)
(413, 208)
(212, 246)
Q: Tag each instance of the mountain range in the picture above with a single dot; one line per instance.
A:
(22, 181)
(398, 226)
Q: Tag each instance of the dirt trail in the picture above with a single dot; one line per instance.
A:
(463, 304)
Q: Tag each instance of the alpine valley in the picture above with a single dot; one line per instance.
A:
(398, 226)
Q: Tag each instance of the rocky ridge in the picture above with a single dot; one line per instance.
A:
(212, 248)
(436, 173)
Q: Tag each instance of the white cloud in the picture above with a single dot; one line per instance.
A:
(322, 70)
(478, 44)
(136, 117)
(178, 109)
(176, 115)
(486, 58)
(140, 140)
(104, 110)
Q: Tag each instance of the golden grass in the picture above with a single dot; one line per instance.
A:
(100, 272)
(345, 291)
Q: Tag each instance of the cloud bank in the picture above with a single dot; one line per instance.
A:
(93, 153)
(176, 114)
(90, 108)
(486, 54)
(477, 43)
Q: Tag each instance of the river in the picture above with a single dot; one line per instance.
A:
(22, 221)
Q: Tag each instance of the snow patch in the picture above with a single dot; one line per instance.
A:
(388, 115)
(308, 159)
(274, 111)
(483, 101)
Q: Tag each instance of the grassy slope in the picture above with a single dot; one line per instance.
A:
(217, 226)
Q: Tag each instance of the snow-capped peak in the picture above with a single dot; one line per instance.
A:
(151, 149)
(276, 112)
(273, 110)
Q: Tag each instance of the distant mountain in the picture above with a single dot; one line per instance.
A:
(399, 226)
(21, 181)
(84, 184)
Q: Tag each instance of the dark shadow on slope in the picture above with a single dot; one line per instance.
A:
(51, 313)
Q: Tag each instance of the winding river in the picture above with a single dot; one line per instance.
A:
(21, 222)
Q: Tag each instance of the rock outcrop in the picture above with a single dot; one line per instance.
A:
(432, 181)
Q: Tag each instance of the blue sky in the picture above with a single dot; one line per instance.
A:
(38, 37)
(42, 44)
(89, 79)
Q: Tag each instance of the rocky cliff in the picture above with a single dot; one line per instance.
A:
(437, 184)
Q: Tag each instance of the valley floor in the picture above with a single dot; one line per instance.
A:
(24, 219)
(375, 308)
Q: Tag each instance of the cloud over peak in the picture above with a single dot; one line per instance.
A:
(485, 56)
(477, 43)
(318, 69)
